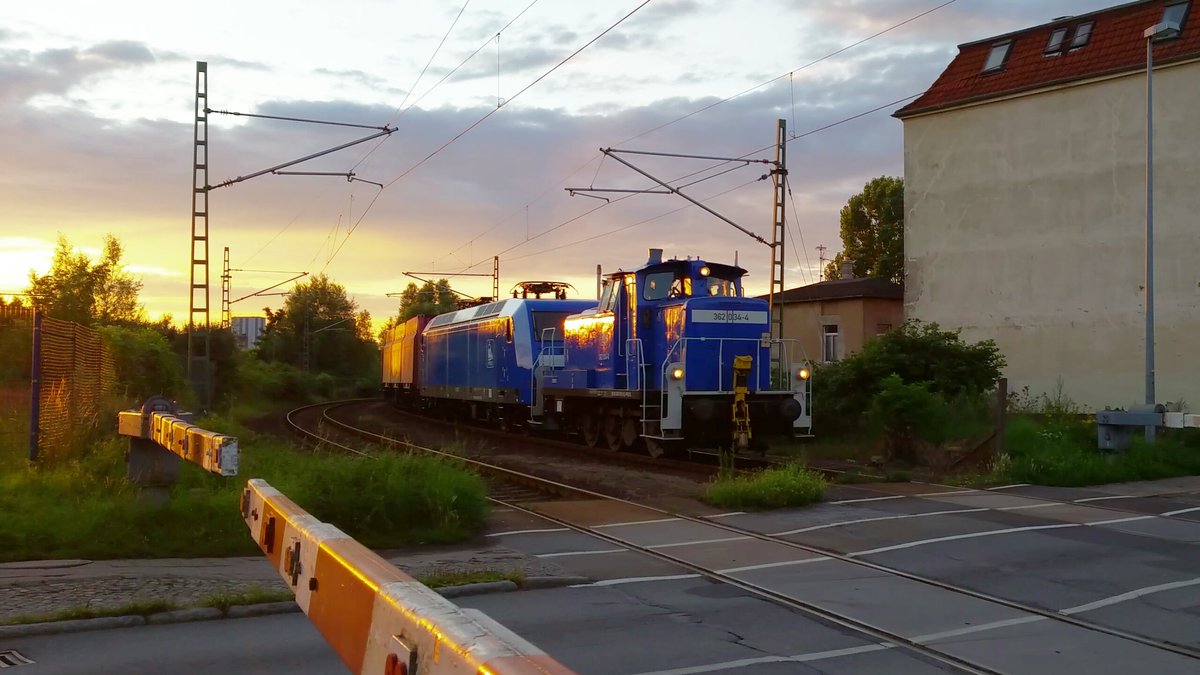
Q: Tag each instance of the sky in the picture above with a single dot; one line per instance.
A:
(498, 108)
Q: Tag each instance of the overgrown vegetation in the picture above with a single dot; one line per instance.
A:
(84, 507)
(791, 485)
(916, 384)
(442, 579)
(135, 608)
(254, 595)
(1050, 442)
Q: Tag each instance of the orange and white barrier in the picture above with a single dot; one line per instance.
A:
(216, 453)
(378, 619)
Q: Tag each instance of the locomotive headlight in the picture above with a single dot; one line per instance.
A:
(803, 374)
(677, 373)
(704, 271)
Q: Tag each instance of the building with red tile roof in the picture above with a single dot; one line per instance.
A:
(1026, 201)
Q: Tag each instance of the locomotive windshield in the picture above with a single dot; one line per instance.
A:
(661, 285)
(718, 286)
(545, 322)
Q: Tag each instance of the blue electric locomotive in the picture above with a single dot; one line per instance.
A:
(671, 355)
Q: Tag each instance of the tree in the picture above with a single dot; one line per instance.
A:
(76, 290)
(430, 298)
(872, 228)
(321, 328)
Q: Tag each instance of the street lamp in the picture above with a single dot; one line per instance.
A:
(1159, 31)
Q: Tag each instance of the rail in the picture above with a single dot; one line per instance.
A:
(378, 619)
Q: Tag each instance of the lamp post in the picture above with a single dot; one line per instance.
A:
(1158, 31)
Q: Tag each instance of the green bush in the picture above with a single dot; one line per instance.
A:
(907, 413)
(144, 362)
(915, 352)
(791, 485)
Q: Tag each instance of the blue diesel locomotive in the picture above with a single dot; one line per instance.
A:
(671, 356)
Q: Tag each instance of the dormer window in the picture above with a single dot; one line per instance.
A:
(1054, 45)
(997, 57)
(1083, 33)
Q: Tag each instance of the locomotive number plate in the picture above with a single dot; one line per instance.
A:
(727, 316)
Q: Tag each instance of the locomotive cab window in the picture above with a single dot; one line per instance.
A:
(661, 285)
(608, 297)
(548, 325)
(722, 287)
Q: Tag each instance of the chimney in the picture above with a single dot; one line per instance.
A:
(847, 269)
(655, 256)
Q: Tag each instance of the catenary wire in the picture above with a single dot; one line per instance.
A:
(482, 119)
(789, 74)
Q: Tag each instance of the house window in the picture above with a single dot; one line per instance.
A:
(881, 328)
(1083, 33)
(1055, 44)
(997, 57)
(830, 343)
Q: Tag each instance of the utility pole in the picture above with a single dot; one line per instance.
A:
(198, 249)
(821, 260)
(225, 280)
(779, 176)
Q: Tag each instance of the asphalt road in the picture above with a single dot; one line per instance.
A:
(284, 643)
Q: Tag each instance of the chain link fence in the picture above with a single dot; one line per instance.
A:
(57, 380)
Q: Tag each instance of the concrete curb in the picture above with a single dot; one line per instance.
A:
(537, 583)
(72, 626)
(182, 615)
(261, 609)
(476, 589)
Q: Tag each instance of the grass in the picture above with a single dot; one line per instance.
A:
(1063, 452)
(223, 600)
(441, 579)
(791, 485)
(84, 507)
(137, 607)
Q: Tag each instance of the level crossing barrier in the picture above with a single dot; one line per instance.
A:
(156, 427)
(379, 620)
(1114, 428)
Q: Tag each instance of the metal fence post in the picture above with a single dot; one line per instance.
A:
(35, 386)
(1001, 414)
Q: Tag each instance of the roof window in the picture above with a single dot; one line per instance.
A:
(1055, 44)
(997, 57)
(1083, 33)
(1175, 12)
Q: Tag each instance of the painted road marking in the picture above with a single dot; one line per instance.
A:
(1176, 513)
(922, 639)
(1131, 595)
(569, 553)
(639, 522)
(911, 515)
(636, 580)
(702, 541)
(539, 531)
(1101, 499)
(782, 563)
(956, 537)
(797, 658)
(726, 515)
(1007, 487)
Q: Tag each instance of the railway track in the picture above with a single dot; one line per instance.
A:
(630, 526)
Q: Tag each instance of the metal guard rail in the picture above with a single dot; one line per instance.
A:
(378, 619)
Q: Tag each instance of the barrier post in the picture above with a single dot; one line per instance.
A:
(159, 437)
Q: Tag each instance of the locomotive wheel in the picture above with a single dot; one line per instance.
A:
(611, 430)
(589, 429)
(654, 447)
(630, 435)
